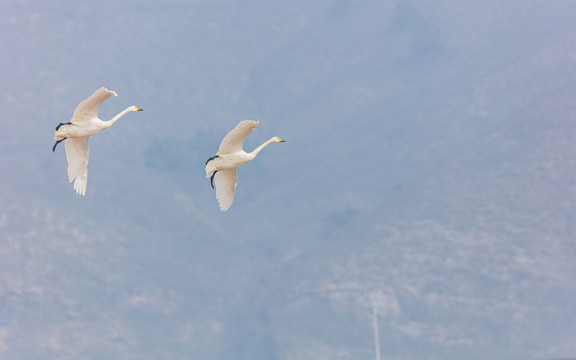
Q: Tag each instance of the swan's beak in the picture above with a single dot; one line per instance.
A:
(281, 140)
(139, 109)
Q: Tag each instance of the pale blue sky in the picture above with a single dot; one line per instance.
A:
(428, 169)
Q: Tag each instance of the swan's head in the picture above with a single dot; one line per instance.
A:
(134, 109)
(276, 139)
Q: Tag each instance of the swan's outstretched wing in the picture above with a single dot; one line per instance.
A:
(77, 155)
(234, 140)
(225, 181)
(89, 107)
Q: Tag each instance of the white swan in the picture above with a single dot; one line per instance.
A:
(221, 168)
(84, 124)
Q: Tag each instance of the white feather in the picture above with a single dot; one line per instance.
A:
(89, 107)
(234, 140)
(77, 154)
(225, 182)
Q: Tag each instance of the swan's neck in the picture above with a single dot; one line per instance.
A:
(115, 118)
(259, 148)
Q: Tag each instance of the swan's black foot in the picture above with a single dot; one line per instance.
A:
(212, 178)
(57, 142)
(212, 158)
(214, 173)
(58, 127)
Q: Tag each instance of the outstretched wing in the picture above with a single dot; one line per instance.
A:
(77, 155)
(225, 181)
(234, 140)
(89, 107)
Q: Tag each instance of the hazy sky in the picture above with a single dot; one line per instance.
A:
(428, 173)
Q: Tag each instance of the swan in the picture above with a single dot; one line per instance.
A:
(84, 124)
(221, 168)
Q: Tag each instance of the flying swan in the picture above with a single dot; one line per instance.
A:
(221, 168)
(84, 124)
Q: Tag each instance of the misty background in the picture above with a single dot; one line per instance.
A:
(428, 175)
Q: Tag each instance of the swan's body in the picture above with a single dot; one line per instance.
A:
(221, 169)
(84, 124)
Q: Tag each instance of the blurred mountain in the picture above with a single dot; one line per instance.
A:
(427, 175)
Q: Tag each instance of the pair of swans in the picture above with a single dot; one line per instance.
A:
(221, 168)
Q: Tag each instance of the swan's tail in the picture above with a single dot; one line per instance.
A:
(59, 135)
(61, 131)
(209, 172)
(210, 166)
